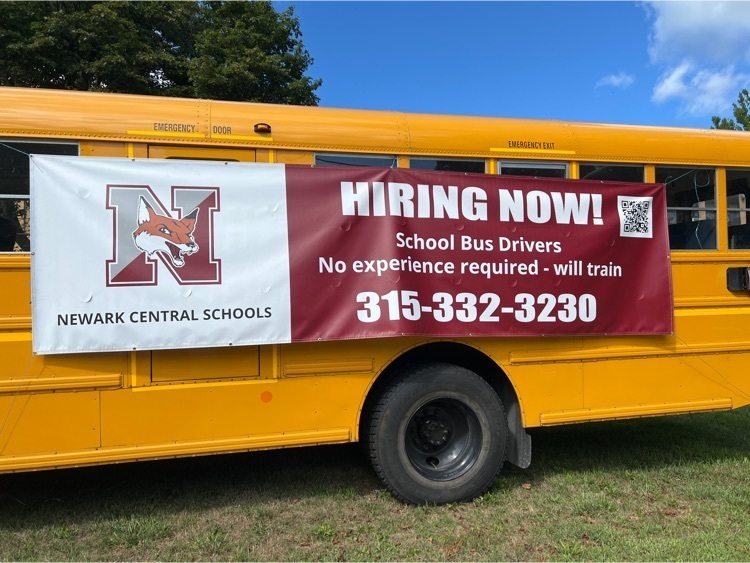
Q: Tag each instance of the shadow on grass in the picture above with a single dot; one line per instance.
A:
(643, 443)
(112, 491)
(33, 500)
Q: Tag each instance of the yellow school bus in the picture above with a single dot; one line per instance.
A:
(439, 416)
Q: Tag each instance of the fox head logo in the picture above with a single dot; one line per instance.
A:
(160, 233)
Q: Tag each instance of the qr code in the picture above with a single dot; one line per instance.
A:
(636, 216)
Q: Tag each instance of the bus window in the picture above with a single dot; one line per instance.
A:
(450, 165)
(691, 207)
(738, 193)
(355, 160)
(612, 172)
(14, 190)
(538, 169)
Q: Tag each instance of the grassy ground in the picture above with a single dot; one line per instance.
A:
(675, 488)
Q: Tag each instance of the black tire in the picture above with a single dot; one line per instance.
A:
(438, 435)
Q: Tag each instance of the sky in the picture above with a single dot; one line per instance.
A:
(674, 63)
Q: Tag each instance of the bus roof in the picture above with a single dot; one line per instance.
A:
(62, 114)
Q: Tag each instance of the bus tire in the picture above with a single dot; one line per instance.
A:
(438, 435)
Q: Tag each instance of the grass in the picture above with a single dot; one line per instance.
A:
(674, 488)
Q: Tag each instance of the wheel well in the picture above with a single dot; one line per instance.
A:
(519, 448)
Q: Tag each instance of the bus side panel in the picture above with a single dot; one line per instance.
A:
(16, 292)
(733, 369)
(20, 371)
(203, 412)
(700, 281)
(656, 381)
(546, 386)
(47, 423)
(703, 363)
(48, 404)
(545, 373)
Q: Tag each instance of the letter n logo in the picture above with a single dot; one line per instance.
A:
(146, 232)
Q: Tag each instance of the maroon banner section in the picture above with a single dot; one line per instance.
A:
(376, 253)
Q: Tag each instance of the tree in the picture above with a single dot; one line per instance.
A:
(741, 116)
(244, 51)
(248, 51)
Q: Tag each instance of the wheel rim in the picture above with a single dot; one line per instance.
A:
(443, 439)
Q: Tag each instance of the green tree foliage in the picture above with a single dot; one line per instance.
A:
(243, 51)
(741, 121)
(248, 51)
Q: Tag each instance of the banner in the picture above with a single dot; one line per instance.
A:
(154, 254)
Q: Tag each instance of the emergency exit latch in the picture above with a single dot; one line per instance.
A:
(738, 279)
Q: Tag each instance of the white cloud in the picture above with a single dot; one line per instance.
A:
(621, 80)
(672, 83)
(704, 49)
(705, 32)
(700, 91)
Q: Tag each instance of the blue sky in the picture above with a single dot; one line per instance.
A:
(653, 63)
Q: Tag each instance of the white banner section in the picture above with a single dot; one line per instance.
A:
(156, 254)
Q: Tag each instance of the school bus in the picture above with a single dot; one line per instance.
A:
(438, 416)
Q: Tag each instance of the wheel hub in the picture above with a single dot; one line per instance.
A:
(443, 439)
(434, 431)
